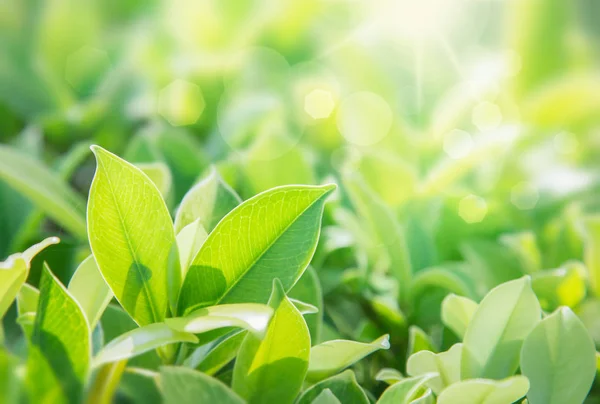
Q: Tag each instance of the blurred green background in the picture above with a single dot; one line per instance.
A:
(464, 133)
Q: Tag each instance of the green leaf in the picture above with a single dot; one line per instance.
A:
(484, 391)
(493, 340)
(243, 254)
(208, 201)
(591, 227)
(273, 369)
(14, 272)
(344, 386)
(446, 365)
(250, 316)
(326, 397)
(160, 175)
(62, 336)
(139, 341)
(182, 386)
(214, 356)
(405, 391)
(564, 286)
(308, 290)
(457, 312)
(559, 359)
(90, 290)
(189, 241)
(389, 375)
(28, 299)
(331, 357)
(439, 277)
(46, 190)
(131, 236)
(418, 340)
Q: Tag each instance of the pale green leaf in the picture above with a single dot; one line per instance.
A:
(62, 336)
(426, 398)
(250, 316)
(214, 356)
(493, 340)
(591, 227)
(14, 271)
(189, 241)
(439, 277)
(160, 175)
(564, 286)
(273, 369)
(326, 397)
(131, 236)
(446, 366)
(331, 357)
(139, 341)
(186, 386)
(389, 375)
(405, 391)
(457, 312)
(27, 300)
(484, 391)
(559, 359)
(208, 201)
(273, 235)
(45, 189)
(308, 290)
(90, 290)
(418, 340)
(304, 308)
(344, 386)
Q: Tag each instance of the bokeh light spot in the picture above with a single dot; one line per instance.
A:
(364, 118)
(319, 104)
(472, 209)
(458, 144)
(181, 103)
(524, 196)
(486, 116)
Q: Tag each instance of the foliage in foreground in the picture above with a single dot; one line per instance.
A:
(221, 305)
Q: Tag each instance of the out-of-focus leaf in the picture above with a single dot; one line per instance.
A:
(140, 386)
(139, 341)
(308, 290)
(160, 175)
(213, 357)
(48, 192)
(9, 380)
(592, 251)
(181, 386)
(493, 261)
(485, 391)
(208, 201)
(439, 277)
(254, 251)
(273, 369)
(344, 386)
(189, 241)
(525, 246)
(418, 340)
(565, 286)
(90, 290)
(250, 316)
(14, 272)
(405, 391)
(559, 359)
(62, 336)
(493, 339)
(445, 365)
(131, 236)
(457, 312)
(331, 357)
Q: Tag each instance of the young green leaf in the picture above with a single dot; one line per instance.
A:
(62, 336)
(493, 340)
(406, 391)
(418, 340)
(131, 236)
(559, 359)
(14, 271)
(308, 289)
(446, 366)
(90, 290)
(182, 386)
(139, 341)
(189, 242)
(273, 369)
(326, 397)
(28, 299)
(243, 254)
(485, 391)
(160, 175)
(343, 386)
(48, 192)
(564, 286)
(457, 312)
(389, 375)
(331, 357)
(214, 356)
(250, 316)
(208, 201)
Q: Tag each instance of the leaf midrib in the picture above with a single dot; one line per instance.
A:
(145, 288)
